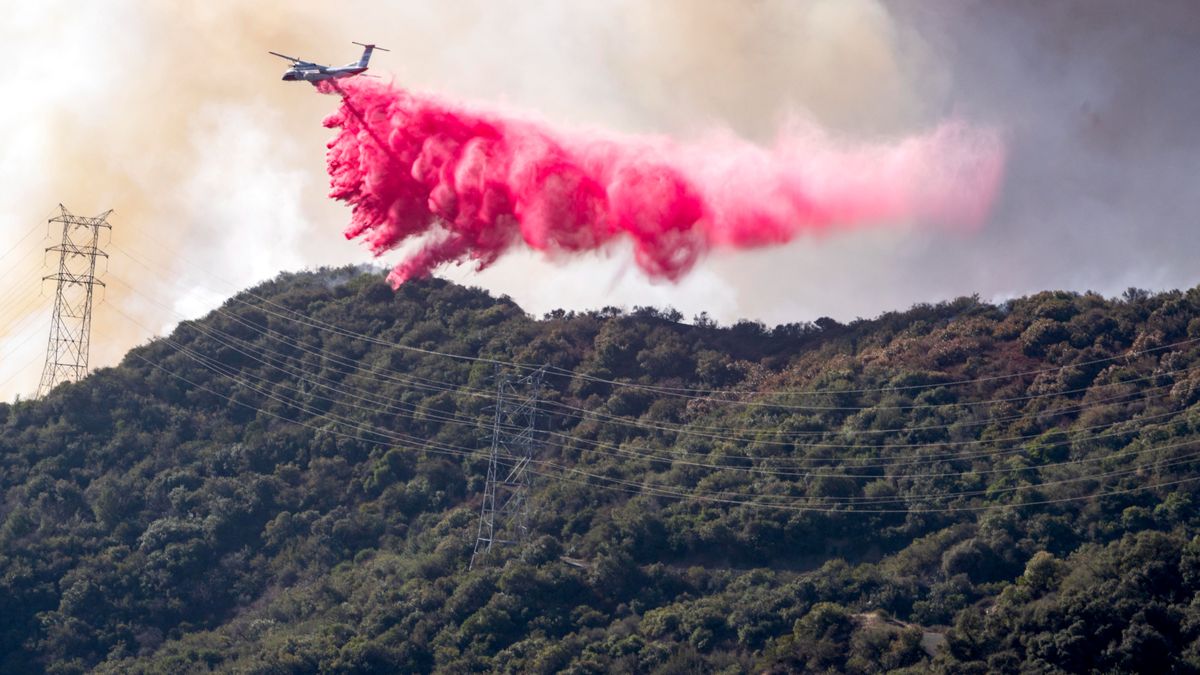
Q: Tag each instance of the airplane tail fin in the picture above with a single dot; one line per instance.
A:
(368, 49)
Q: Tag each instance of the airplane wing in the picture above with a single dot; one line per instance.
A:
(300, 64)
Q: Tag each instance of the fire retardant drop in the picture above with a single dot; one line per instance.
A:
(469, 183)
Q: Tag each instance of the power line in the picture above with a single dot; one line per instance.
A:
(643, 488)
(691, 430)
(216, 366)
(20, 241)
(720, 496)
(13, 348)
(387, 405)
(859, 462)
(291, 310)
(655, 491)
(704, 394)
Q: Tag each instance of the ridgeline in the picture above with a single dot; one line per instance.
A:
(292, 485)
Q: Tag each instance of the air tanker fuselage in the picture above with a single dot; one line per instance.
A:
(307, 71)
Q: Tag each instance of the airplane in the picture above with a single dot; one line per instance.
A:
(315, 72)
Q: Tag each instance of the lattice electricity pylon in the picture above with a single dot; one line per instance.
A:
(504, 516)
(71, 326)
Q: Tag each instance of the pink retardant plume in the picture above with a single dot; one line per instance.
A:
(470, 183)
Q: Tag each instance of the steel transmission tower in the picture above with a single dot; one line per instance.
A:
(504, 516)
(71, 325)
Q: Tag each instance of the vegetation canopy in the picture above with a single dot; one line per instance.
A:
(292, 484)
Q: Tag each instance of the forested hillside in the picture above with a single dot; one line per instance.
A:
(292, 484)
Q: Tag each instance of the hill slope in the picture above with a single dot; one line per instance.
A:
(292, 484)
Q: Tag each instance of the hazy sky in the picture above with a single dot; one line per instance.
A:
(173, 114)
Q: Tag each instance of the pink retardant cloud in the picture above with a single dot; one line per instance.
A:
(471, 183)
